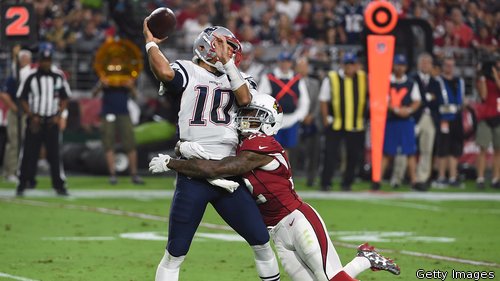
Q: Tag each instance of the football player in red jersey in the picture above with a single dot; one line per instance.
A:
(298, 231)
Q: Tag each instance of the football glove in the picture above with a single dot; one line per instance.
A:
(192, 150)
(229, 186)
(159, 164)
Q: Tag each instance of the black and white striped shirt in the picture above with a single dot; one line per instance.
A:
(44, 90)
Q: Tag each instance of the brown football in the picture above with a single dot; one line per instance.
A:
(162, 22)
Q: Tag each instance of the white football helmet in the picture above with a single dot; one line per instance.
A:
(263, 114)
(204, 49)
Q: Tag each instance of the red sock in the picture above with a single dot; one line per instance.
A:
(342, 276)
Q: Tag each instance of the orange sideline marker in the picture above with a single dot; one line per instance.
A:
(380, 18)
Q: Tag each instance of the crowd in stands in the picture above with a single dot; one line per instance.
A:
(288, 23)
(306, 29)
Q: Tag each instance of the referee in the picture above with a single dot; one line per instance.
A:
(43, 94)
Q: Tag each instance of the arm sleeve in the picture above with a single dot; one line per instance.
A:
(302, 108)
(179, 83)
(265, 85)
(462, 91)
(23, 90)
(415, 93)
(10, 86)
(324, 91)
(304, 101)
(66, 91)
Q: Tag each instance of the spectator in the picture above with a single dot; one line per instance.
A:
(309, 144)
(304, 17)
(488, 129)
(259, 7)
(87, 42)
(193, 27)
(484, 42)
(245, 17)
(318, 27)
(225, 9)
(4, 109)
(248, 34)
(14, 116)
(248, 63)
(426, 117)
(267, 32)
(404, 100)
(290, 90)
(190, 12)
(289, 7)
(461, 31)
(473, 16)
(62, 37)
(343, 99)
(115, 118)
(43, 106)
(449, 138)
(285, 29)
(351, 22)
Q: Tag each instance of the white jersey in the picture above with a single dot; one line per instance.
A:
(207, 108)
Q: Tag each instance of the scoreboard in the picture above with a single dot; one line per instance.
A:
(18, 24)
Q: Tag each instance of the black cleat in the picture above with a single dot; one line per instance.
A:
(19, 192)
(137, 180)
(62, 192)
(378, 261)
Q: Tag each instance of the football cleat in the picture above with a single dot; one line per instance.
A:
(377, 261)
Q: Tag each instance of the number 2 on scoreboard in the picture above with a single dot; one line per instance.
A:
(18, 27)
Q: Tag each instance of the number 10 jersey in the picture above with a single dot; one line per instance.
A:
(207, 108)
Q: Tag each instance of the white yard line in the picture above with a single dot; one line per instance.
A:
(107, 211)
(145, 194)
(224, 227)
(405, 205)
(424, 255)
(14, 277)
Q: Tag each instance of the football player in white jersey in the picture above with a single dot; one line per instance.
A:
(210, 87)
(298, 231)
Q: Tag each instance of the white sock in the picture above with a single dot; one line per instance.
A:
(356, 266)
(168, 269)
(266, 263)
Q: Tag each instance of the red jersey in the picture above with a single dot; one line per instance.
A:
(271, 185)
(490, 107)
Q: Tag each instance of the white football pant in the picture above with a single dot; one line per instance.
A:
(306, 250)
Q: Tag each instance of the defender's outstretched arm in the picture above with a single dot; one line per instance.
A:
(234, 165)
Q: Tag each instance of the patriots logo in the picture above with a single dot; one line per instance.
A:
(209, 30)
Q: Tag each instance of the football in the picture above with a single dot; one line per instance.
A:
(162, 22)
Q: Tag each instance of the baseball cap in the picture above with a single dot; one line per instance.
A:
(45, 51)
(349, 58)
(285, 56)
(400, 59)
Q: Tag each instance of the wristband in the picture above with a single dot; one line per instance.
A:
(150, 45)
(234, 75)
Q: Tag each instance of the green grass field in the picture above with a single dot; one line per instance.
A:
(121, 234)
